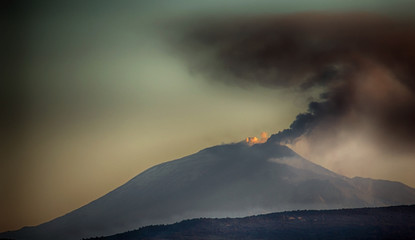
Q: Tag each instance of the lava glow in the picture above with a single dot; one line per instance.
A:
(255, 140)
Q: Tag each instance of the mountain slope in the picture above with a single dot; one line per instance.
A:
(361, 223)
(223, 181)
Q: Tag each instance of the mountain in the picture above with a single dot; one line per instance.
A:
(231, 180)
(359, 223)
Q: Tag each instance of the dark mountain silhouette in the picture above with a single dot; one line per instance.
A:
(362, 223)
(231, 180)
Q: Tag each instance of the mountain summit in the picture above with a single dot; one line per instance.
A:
(223, 181)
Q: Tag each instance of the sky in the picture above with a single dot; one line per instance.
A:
(96, 92)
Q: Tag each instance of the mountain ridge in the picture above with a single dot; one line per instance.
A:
(396, 222)
(231, 180)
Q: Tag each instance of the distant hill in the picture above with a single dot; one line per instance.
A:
(361, 223)
(233, 180)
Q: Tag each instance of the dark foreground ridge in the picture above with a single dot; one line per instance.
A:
(360, 223)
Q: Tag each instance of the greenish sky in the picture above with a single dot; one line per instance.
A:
(94, 95)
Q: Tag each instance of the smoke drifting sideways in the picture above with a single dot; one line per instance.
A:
(365, 64)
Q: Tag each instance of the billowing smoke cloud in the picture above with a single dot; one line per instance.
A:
(364, 63)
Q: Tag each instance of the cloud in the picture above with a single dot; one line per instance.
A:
(365, 64)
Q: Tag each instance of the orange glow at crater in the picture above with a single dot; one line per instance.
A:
(255, 140)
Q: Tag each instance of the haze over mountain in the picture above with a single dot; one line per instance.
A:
(223, 181)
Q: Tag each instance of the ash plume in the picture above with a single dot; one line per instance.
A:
(364, 62)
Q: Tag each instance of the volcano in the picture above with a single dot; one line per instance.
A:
(231, 180)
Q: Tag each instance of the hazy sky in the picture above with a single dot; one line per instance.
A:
(94, 93)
